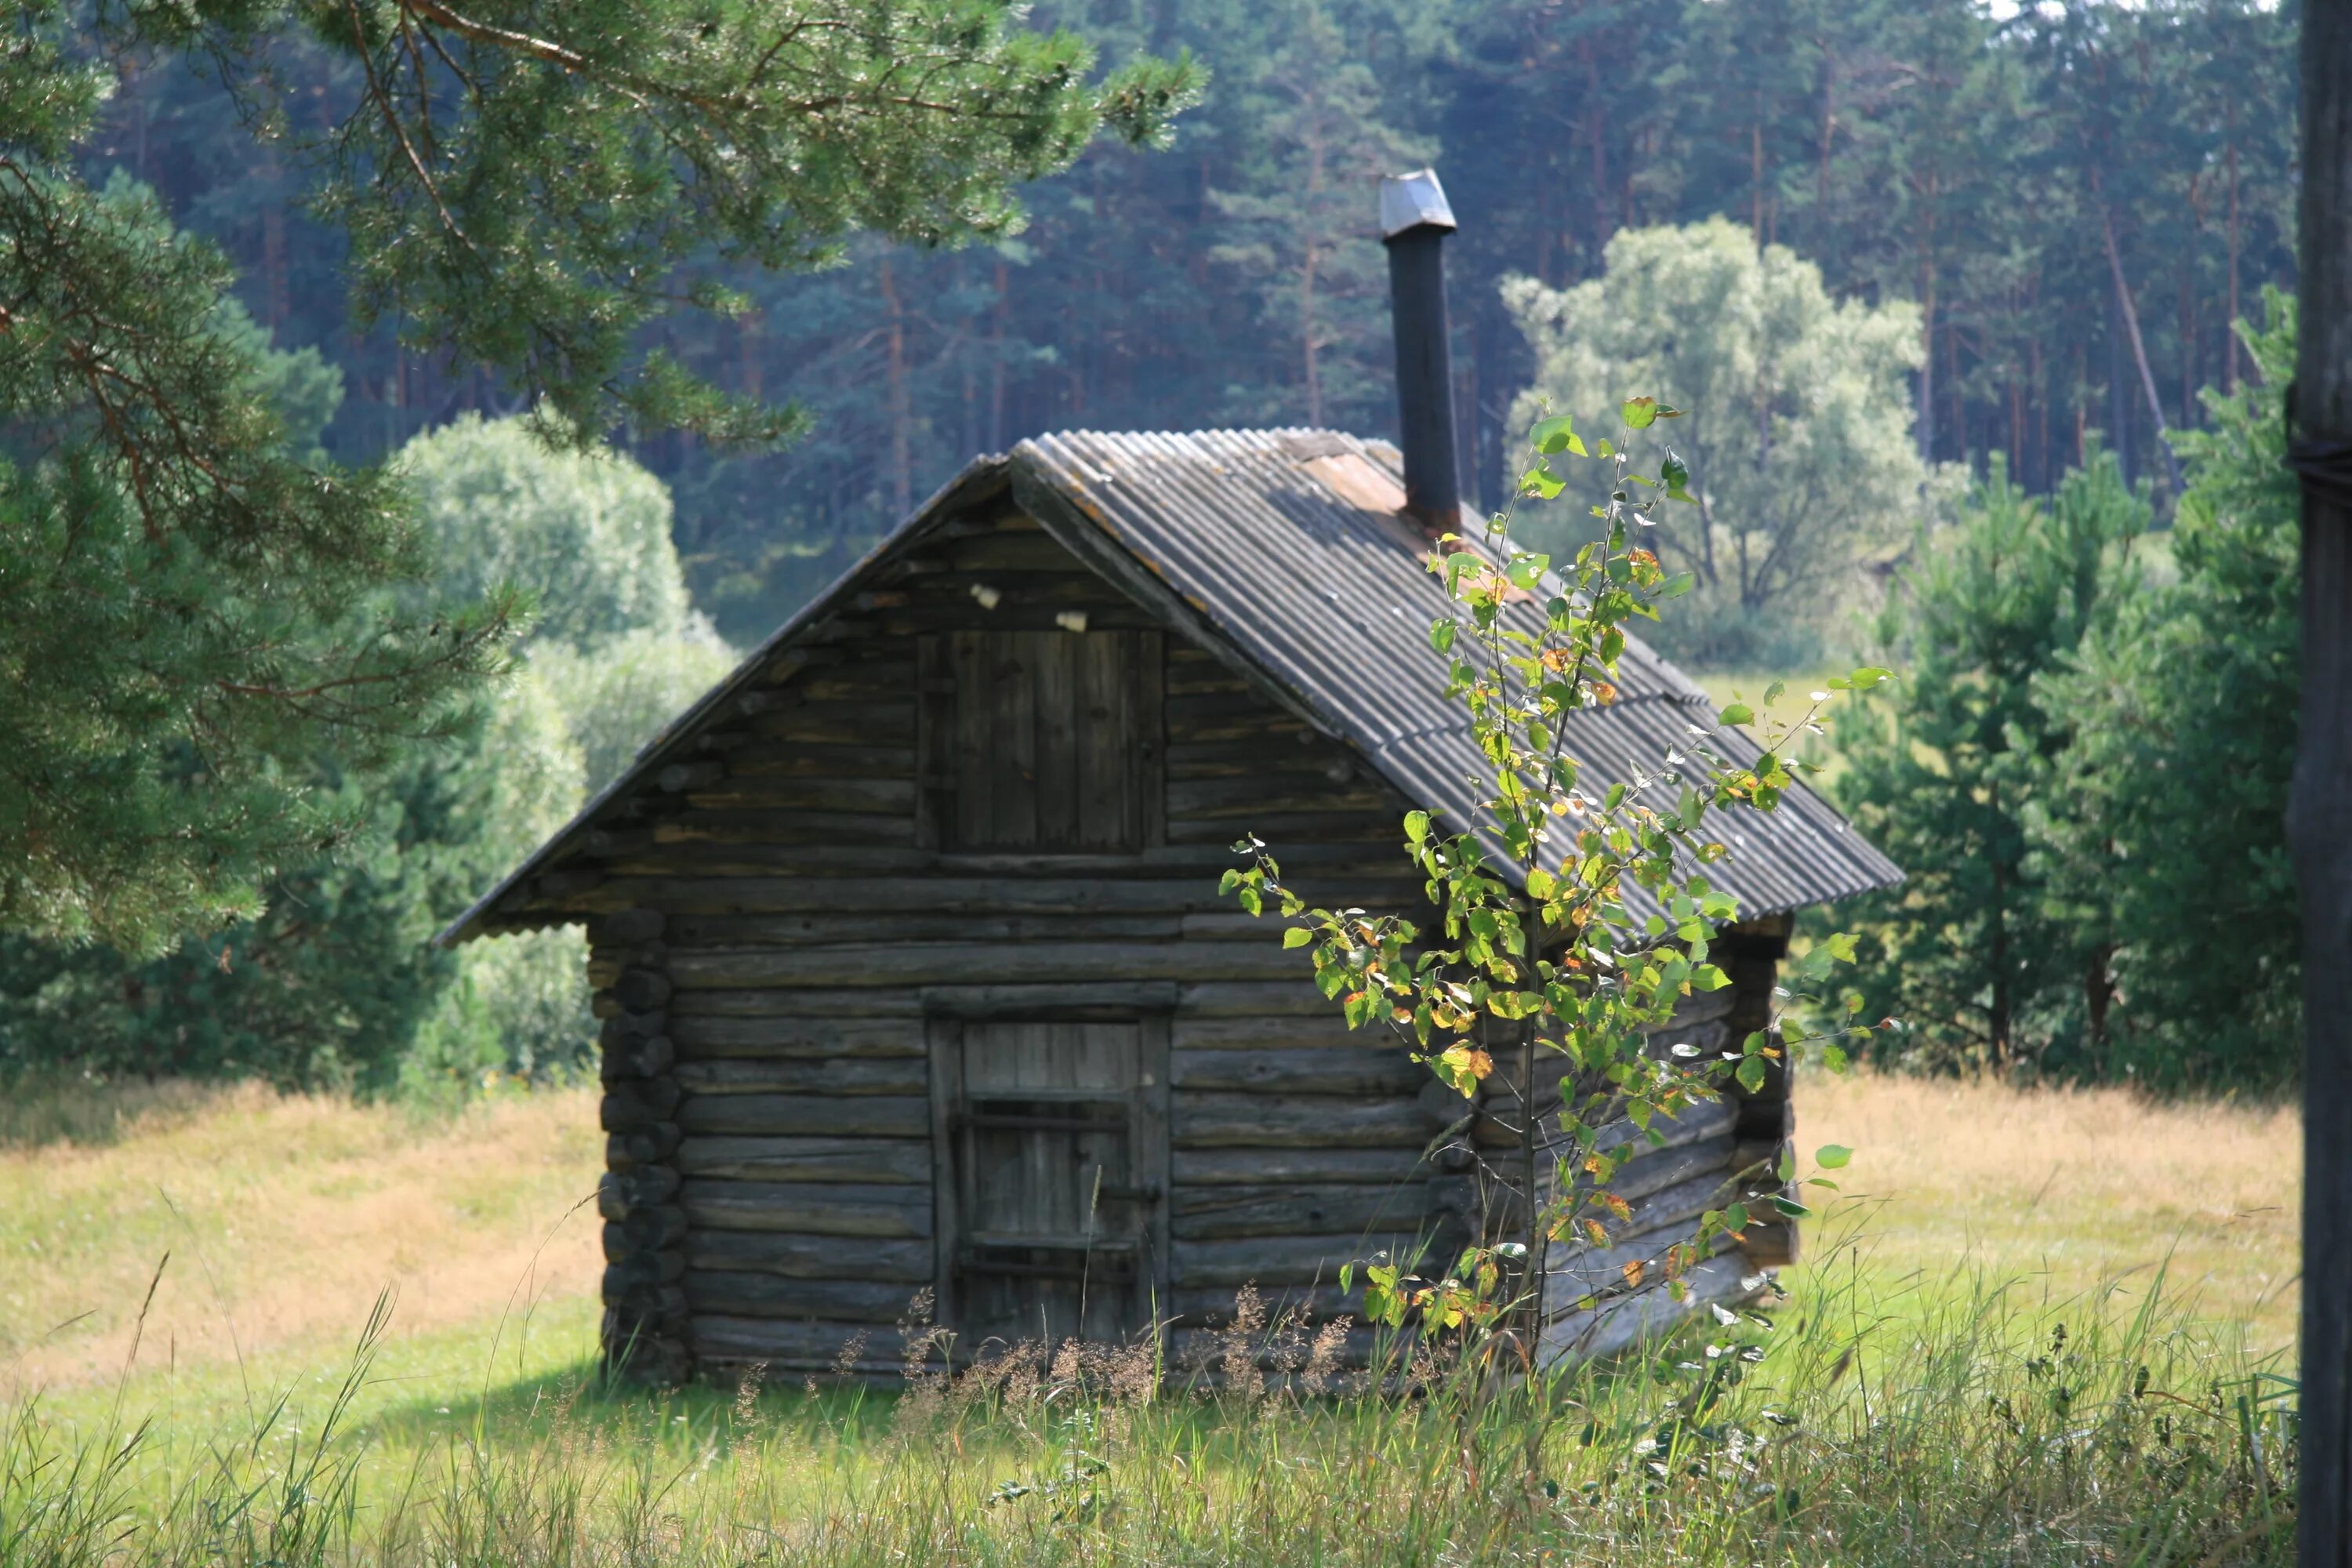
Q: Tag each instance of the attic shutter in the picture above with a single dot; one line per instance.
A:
(1042, 740)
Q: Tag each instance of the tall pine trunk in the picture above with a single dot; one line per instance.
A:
(2320, 815)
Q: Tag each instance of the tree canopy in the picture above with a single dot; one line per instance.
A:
(520, 189)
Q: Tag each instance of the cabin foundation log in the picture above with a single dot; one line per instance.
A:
(647, 1308)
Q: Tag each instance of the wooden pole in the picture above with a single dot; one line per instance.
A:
(2320, 816)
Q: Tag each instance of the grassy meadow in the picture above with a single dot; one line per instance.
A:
(2037, 1328)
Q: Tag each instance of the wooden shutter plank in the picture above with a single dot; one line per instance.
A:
(1057, 656)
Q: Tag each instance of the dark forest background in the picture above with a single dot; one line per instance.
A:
(2039, 185)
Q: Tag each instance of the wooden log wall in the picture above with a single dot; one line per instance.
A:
(772, 923)
(770, 1196)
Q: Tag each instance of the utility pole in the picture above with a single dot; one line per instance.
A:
(2319, 825)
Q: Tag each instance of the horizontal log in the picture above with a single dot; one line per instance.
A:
(784, 1035)
(1255, 999)
(790, 1115)
(769, 1296)
(641, 990)
(888, 797)
(905, 1260)
(1279, 1262)
(1269, 797)
(629, 927)
(1208, 1213)
(863, 679)
(836, 723)
(756, 1159)
(1251, 1032)
(807, 829)
(948, 894)
(1310, 865)
(1619, 1325)
(1314, 759)
(1211, 1120)
(1245, 1166)
(1658, 1171)
(866, 926)
(1023, 553)
(818, 1076)
(810, 1008)
(1010, 613)
(641, 1146)
(1707, 1119)
(1283, 829)
(1580, 1273)
(1370, 1070)
(807, 1208)
(1101, 999)
(638, 1105)
(866, 1350)
(982, 963)
(810, 760)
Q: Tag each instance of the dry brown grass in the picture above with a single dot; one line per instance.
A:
(283, 1215)
(2067, 1189)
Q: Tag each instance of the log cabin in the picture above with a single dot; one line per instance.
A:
(914, 976)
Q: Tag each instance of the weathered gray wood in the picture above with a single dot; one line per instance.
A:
(1184, 893)
(1208, 1213)
(818, 1077)
(889, 798)
(836, 724)
(1312, 866)
(1210, 1120)
(983, 964)
(1255, 999)
(861, 1349)
(1619, 1325)
(1367, 1070)
(831, 831)
(943, 1038)
(1279, 1261)
(1212, 1306)
(1100, 1000)
(852, 927)
(811, 1009)
(1314, 763)
(1326, 828)
(807, 1208)
(757, 1159)
(1253, 1031)
(1022, 553)
(1247, 1166)
(904, 1261)
(705, 1038)
(1705, 1119)
(790, 1115)
(1270, 798)
(1152, 1170)
(867, 1301)
(1654, 1173)
(806, 760)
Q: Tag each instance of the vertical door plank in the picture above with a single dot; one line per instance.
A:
(1012, 724)
(950, 1179)
(936, 768)
(1106, 737)
(1148, 754)
(1057, 658)
(972, 671)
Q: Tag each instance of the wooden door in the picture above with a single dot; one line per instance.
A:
(1047, 740)
(1051, 1177)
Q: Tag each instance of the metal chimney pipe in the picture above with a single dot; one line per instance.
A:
(1415, 222)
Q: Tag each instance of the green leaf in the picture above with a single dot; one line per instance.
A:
(1869, 676)
(1541, 483)
(1673, 471)
(1678, 585)
(1298, 936)
(1831, 1156)
(1772, 692)
(1787, 1168)
(1792, 1208)
(1527, 571)
(1739, 713)
(1752, 1074)
(1442, 635)
(1416, 825)
(1554, 433)
(1640, 412)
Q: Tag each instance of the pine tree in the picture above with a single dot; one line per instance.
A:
(1940, 773)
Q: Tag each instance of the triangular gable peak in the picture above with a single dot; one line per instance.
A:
(1283, 555)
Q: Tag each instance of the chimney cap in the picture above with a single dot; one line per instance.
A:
(1412, 201)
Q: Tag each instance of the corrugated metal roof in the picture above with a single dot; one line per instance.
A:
(1282, 550)
(1334, 601)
